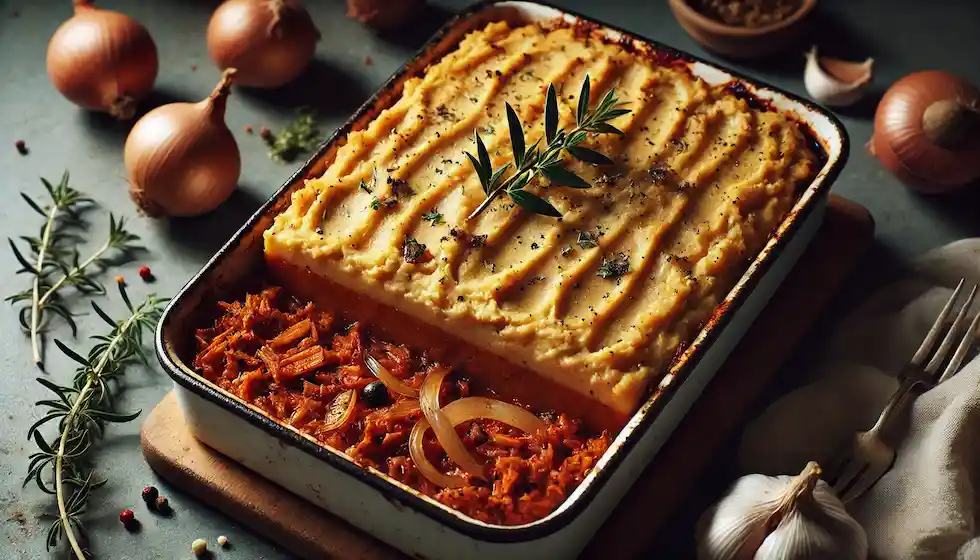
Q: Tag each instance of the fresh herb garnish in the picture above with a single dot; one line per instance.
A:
(588, 240)
(303, 135)
(55, 263)
(63, 467)
(614, 267)
(413, 251)
(374, 182)
(383, 202)
(531, 162)
(665, 176)
(400, 187)
(432, 216)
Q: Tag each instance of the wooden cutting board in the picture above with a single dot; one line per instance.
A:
(311, 532)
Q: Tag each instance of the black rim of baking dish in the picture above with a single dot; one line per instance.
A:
(570, 511)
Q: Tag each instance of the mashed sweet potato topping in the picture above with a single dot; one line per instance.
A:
(598, 302)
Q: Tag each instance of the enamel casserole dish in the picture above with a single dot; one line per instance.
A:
(397, 513)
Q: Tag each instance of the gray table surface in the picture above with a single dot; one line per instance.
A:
(903, 36)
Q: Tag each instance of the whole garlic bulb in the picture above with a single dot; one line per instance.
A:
(781, 517)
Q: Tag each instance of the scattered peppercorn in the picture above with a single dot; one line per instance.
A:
(127, 517)
(21, 147)
(163, 505)
(150, 495)
(199, 547)
(193, 67)
(368, 61)
(222, 541)
(249, 129)
(265, 133)
(375, 394)
(146, 274)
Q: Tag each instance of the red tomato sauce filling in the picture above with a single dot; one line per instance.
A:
(303, 367)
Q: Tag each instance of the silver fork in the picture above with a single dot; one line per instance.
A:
(871, 453)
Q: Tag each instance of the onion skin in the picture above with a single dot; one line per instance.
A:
(909, 141)
(182, 159)
(269, 42)
(102, 60)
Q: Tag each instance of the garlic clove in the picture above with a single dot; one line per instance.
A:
(735, 527)
(835, 82)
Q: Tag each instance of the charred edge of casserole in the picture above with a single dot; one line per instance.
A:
(528, 475)
(664, 56)
(593, 31)
(742, 91)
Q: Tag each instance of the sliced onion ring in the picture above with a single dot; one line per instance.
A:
(427, 469)
(456, 413)
(386, 377)
(444, 430)
(470, 408)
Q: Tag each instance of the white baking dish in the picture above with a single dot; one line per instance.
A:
(398, 514)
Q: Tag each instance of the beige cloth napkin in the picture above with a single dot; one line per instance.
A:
(927, 505)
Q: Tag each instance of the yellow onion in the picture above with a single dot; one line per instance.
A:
(388, 378)
(269, 42)
(927, 131)
(453, 414)
(182, 159)
(102, 60)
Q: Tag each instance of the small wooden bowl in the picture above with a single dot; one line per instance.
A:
(740, 42)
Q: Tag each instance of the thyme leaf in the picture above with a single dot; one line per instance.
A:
(614, 267)
(588, 240)
(383, 202)
(433, 217)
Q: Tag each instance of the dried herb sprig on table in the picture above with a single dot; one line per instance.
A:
(303, 135)
(531, 162)
(62, 467)
(54, 262)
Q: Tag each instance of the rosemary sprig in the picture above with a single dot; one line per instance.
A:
(62, 467)
(63, 210)
(530, 162)
(55, 266)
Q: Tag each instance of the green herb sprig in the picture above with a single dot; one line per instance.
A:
(54, 265)
(62, 467)
(302, 136)
(529, 162)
